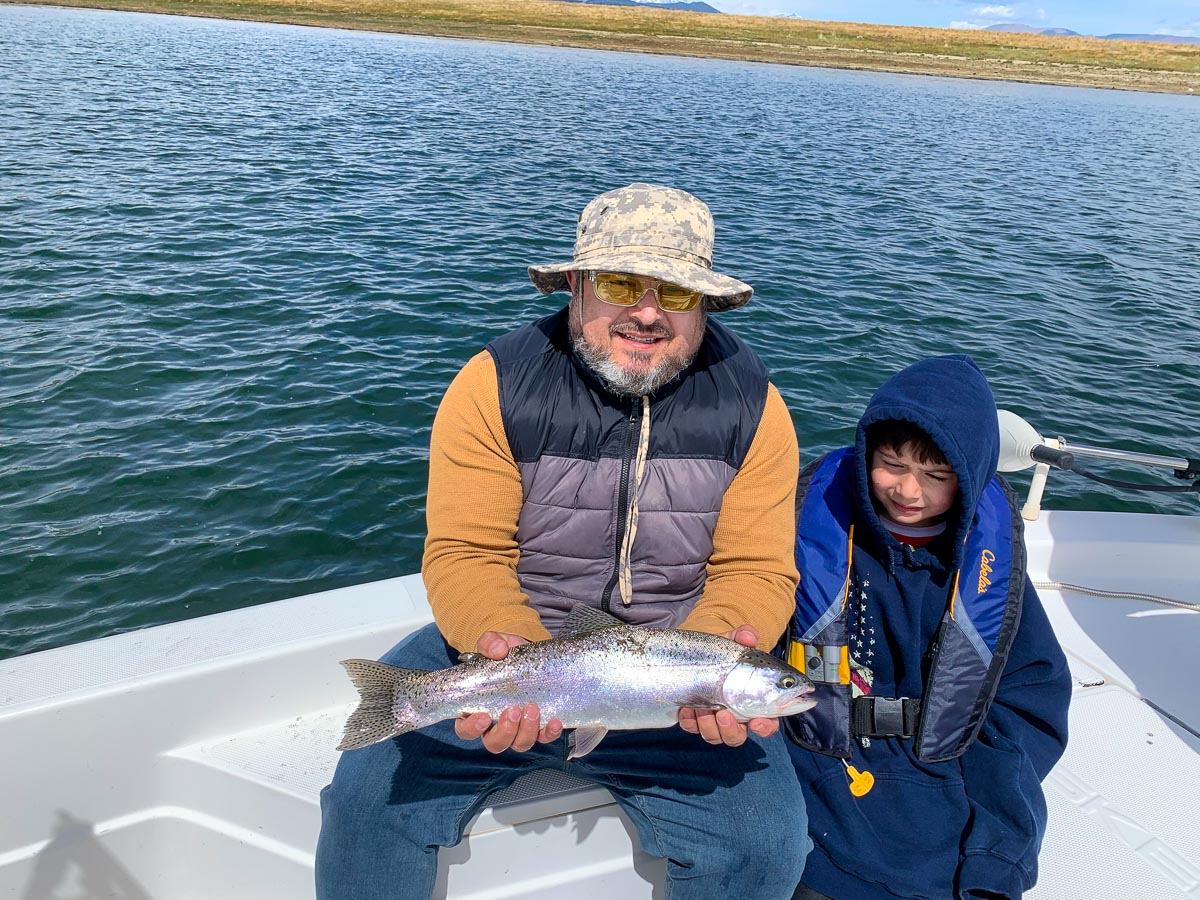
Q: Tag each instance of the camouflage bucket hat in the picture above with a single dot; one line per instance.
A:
(646, 229)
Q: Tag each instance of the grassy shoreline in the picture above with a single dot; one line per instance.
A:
(1043, 59)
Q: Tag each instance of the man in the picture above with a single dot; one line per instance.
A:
(628, 453)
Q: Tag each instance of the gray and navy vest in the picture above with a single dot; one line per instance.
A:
(969, 652)
(575, 444)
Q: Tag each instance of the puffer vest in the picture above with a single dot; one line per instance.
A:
(973, 640)
(591, 500)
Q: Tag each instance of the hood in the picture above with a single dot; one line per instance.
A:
(949, 398)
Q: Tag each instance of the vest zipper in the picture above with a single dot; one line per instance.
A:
(631, 428)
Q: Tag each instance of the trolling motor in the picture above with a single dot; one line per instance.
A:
(1021, 447)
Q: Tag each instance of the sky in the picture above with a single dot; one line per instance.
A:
(1095, 17)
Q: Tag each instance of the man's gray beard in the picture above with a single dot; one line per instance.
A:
(620, 381)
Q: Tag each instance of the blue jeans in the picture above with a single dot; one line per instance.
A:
(730, 821)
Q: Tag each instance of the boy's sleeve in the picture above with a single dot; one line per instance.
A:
(1022, 738)
(752, 577)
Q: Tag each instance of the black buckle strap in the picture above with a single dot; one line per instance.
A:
(885, 716)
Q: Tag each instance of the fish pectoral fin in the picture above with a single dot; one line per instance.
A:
(701, 701)
(585, 739)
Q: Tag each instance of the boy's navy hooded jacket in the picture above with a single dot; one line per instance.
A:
(971, 826)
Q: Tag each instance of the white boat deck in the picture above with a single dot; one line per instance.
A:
(186, 761)
(1123, 799)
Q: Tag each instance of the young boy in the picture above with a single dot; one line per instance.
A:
(943, 691)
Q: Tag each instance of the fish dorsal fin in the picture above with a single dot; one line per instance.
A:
(583, 619)
(584, 740)
(469, 657)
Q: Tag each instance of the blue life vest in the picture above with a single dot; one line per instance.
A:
(973, 639)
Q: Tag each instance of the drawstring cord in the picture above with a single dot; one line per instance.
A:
(643, 450)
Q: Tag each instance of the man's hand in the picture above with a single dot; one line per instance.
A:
(518, 728)
(720, 726)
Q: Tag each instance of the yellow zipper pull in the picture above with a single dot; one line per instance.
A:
(860, 782)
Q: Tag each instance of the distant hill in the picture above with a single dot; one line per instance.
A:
(1159, 38)
(694, 6)
(1067, 32)
(1029, 29)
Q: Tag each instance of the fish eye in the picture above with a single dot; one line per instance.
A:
(787, 682)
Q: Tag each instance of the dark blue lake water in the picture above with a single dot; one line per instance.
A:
(239, 264)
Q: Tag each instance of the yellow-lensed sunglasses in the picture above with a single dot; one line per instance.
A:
(626, 290)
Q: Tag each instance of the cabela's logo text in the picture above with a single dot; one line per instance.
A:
(985, 569)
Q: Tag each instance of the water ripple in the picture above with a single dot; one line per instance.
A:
(241, 263)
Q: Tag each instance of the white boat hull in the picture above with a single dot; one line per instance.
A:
(186, 761)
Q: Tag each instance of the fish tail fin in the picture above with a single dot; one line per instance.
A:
(374, 720)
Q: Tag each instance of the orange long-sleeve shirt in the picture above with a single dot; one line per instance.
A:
(474, 501)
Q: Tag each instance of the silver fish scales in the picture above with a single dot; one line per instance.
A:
(599, 675)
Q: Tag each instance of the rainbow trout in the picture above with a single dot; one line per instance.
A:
(598, 675)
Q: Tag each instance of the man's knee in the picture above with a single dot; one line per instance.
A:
(772, 859)
(362, 853)
(789, 857)
(351, 801)
(359, 821)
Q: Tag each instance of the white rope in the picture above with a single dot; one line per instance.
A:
(1115, 595)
